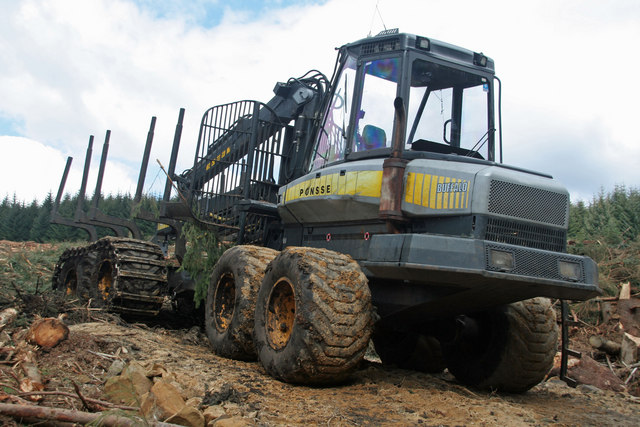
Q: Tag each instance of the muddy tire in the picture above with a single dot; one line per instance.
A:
(313, 316)
(103, 279)
(513, 350)
(129, 276)
(86, 269)
(409, 350)
(68, 277)
(231, 300)
(116, 273)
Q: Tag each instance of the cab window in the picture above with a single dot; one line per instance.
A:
(448, 111)
(374, 119)
(332, 138)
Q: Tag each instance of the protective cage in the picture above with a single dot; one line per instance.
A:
(237, 170)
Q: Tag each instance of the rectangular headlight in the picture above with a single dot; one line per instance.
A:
(479, 59)
(570, 270)
(423, 43)
(501, 260)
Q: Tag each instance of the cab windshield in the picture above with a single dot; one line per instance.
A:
(332, 139)
(448, 111)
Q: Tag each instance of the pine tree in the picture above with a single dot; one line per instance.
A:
(60, 233)
(608, 230)
(4, 213)
(41, 227)
(13, 221)
(577, 216)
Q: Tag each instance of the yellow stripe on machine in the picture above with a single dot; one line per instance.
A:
(218, 158)
(437, 192)
(366, 183)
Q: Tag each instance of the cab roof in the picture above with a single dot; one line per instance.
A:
(392, 40)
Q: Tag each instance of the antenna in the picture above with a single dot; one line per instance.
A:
(377, 10)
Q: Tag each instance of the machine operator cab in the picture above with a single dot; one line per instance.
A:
(447, 91)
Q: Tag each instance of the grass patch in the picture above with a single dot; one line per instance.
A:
(27, 267)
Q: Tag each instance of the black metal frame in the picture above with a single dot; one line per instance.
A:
(95, 217)
(56, 218)
(566, 351)
(237, 170)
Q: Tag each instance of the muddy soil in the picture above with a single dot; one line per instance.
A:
(375, 395)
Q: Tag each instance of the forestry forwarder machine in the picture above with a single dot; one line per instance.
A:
(370, 206)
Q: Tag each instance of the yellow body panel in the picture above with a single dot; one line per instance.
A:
(437, 192)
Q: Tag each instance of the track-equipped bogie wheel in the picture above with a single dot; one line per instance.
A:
(86, 268)
(73, 271)
(507, 349)
(68, 278)
(104, 282)
(118, 274)
(231, 300)
(68, 273)
(313, 316)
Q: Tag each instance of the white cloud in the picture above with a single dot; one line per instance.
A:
(71, 69)
(31, 170)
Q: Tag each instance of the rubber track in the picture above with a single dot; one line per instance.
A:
(139, 273)
(71, 255)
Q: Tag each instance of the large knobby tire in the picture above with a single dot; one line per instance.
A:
(74, 275)
(103, 279)
(231, 300)
(313, 316)
(127, 276)
(408, 350)
(86, 269)
(512, 351)
(68, 277)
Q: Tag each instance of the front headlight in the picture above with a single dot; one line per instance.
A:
(570, 270)
(501, 260)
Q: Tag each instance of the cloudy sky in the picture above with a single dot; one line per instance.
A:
(70, 69)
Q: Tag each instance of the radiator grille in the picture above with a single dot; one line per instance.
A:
(380, 46)
(520, 201)
(534, 264)
(527, 235)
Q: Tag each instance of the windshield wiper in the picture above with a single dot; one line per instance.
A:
(483, 140)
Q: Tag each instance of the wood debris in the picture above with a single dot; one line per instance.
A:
(616, 344)
(47, 332)
(32, 412)
(7, 316)
(604, 344)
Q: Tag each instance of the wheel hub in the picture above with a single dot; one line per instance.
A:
(224, 302)
(281, 313)
(105, 280)
(71, 283)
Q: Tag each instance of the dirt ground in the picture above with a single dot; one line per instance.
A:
(375, 395)
(246, 395)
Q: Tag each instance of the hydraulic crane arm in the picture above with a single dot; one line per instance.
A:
(247, 149)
